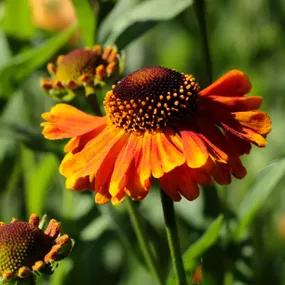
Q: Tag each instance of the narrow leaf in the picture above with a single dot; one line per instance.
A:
(140, 18)
(23, 64)
(86, 20)
(265, 183)
(196, 250)
(17, 20)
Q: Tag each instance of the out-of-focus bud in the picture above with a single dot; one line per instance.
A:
(82, 69)
(52, 15)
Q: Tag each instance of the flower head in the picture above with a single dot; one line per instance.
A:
(83, 68)
(25, 248)
(159, 124)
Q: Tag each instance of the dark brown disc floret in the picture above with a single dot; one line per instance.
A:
(151, 98)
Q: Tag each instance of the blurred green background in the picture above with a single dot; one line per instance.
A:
(248, 246)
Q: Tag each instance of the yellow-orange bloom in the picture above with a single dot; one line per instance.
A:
(158, 124)
(27, 249)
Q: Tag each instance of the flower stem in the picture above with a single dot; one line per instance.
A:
(201, 16)
(172, 236)
(143, 240)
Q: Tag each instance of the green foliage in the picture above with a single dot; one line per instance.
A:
(129, 21)
(237, 242)
(198, 248)
(22, 65)
(86, 20)
(265, 183)
(17, 20)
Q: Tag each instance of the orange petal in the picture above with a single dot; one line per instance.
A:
(245, 103)
(101, 199)
(170, 156)
(144, 167)
(256, 120)
(233, 83)
(65, 121)
(156, 164)
(89, 160)
(195, 151)
(122, 164)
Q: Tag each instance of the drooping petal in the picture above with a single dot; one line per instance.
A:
(169, 155)
(195, 151)
(88, 161)
(156, 163)
(101, 199)
(65, 121)
(135, 188)
(122, 164)
(234, 104)
(179, 181)
(256, 120)
(233, 83)
(144, 166)
(245, 133)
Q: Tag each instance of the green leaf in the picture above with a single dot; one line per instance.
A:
(17, 20)
(265, 183)
(196, 250)
(95, 229)
(86, 20)
(23, 64)
(37, 177)
(120, 9)
(137, 19)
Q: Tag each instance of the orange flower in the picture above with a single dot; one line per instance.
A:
(27, 249)
(158, 124)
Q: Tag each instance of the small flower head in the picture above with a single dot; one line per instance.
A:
(26, 249)
(83, 68)
(159, 124)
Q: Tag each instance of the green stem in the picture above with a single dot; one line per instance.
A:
(201, 16)
(172, 236)
(143, 241)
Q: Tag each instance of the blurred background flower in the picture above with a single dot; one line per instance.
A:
(52, 15)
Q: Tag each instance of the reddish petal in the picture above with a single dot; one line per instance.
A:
(233, 104)
(195, 151)
(233, 83)
(65, 121)
(156, 163)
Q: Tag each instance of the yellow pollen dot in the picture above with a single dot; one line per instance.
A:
(151, 99)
